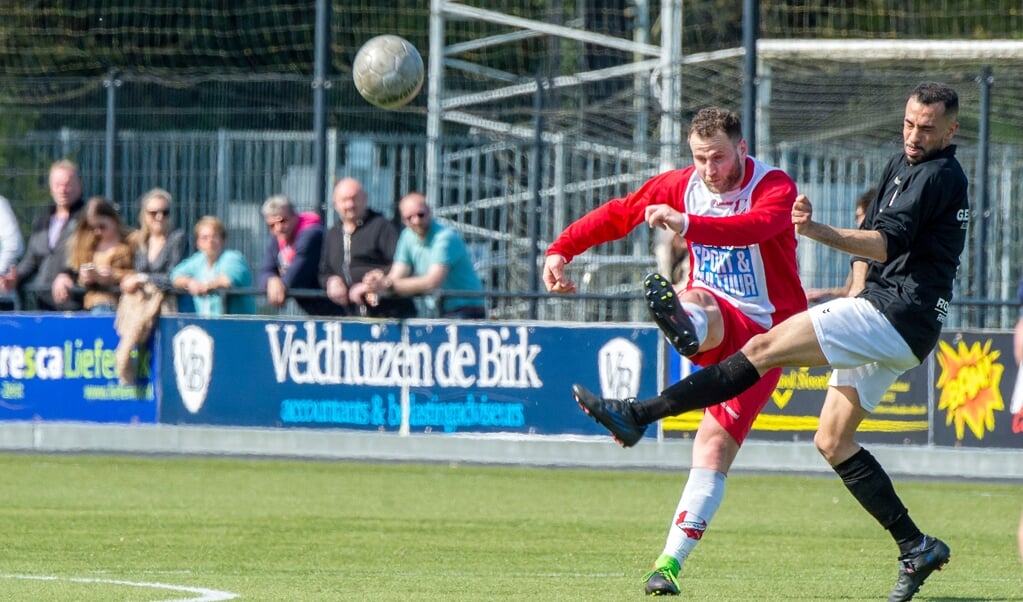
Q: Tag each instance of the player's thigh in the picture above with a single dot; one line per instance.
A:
(789, 344)
(733, 328)
(737, 415)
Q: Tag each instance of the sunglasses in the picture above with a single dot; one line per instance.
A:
(99, 227)
(420, 215)
(163, 212)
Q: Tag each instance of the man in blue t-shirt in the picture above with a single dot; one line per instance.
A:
(430, 257)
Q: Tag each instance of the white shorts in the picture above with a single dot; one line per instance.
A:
(862, 347)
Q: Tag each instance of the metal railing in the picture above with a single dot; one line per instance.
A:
(585, 307)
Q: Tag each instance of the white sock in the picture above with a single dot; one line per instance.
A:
(700, 500)
(698, 318)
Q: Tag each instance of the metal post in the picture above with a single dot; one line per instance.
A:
(641, 91)
(980, 211)
(434, 94)
(533, 219)
(750, 33)
(320, 86)
(671, 85)
(111, 83)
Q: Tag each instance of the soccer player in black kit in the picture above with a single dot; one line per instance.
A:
(905, 258)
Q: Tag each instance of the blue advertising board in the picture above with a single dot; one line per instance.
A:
(418, 376)
(280, 373)
(518, 377)
(55, 367)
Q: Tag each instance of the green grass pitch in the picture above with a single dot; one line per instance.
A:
(100, 528)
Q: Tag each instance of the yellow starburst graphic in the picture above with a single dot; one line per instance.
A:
(969, 381)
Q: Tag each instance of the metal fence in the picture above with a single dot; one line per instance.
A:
(491, 198)
(532, 114)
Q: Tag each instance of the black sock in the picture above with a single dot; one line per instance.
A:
(701, 389)
(870, 485)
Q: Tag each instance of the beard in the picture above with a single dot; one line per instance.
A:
(730, 181)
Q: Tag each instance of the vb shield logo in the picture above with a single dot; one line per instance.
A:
(193, 366)
(619, 368)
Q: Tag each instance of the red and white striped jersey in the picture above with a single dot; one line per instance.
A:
(742, 243)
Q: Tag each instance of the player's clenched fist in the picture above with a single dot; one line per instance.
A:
(663, 216)
(554, 275)
(802, 212)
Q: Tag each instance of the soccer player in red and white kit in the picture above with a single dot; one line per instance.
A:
(905, 260)
(735, 213)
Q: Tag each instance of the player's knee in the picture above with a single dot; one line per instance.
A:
(714, 449)
(758, 350)
(706, 301)
(827, 444)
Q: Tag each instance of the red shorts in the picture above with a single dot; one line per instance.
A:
(737, 414)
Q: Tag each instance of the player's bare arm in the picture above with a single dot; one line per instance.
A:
(864, 243)
(859, 278)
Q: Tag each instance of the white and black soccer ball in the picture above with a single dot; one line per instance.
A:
(388, 71)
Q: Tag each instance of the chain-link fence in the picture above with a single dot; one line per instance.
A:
(540, 112)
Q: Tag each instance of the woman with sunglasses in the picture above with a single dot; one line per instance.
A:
(157, 245)
(98, 257)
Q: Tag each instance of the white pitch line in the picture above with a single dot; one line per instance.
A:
(205, 595)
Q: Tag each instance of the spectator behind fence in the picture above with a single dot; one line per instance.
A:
(363, 241)
(98, 257)
(292, 256)
(209, 272)
(44, 256)
(820, 295)
(157, 245)
(430, 257)
(11, 246)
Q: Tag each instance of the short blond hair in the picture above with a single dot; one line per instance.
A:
(209, 221)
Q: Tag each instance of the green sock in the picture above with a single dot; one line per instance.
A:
(667, 561)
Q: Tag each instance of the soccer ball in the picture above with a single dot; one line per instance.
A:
(388, 71)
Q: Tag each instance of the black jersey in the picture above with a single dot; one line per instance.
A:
(922, 211)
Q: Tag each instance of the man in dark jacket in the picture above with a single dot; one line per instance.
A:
(44, 256)
(292, 256)
(364, 240)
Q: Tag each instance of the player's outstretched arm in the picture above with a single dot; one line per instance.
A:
(870, 244)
